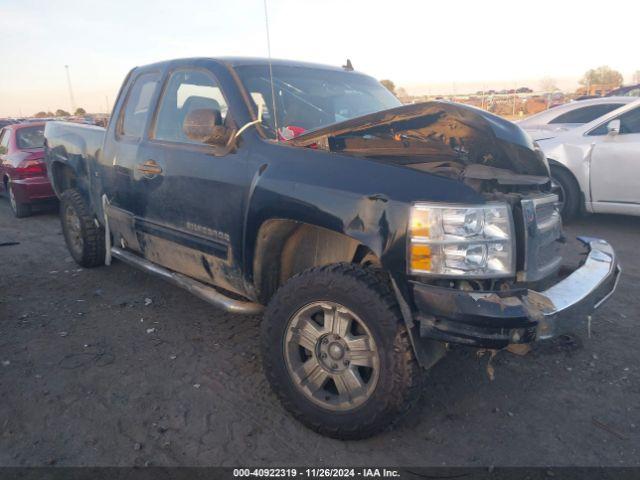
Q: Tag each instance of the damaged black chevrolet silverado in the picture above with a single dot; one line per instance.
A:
(377, 235)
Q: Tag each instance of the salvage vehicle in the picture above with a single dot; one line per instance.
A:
(375, 234)
(596, 166)
(22, 168)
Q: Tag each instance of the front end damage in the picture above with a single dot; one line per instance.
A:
(542, 297)
(495, 319)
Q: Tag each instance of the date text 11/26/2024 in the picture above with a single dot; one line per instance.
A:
(316, 472)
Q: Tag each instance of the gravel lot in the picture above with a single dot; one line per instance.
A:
(93, 373)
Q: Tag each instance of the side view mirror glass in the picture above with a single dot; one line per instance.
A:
(204, 125)
(613, 127)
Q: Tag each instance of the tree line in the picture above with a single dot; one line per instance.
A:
(60, 113)
(603, 75)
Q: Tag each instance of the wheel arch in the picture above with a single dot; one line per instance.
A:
(581, 190)
(285, 247)
(63, 177)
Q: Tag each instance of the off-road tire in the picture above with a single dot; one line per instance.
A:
(571, 192)
(20, 210)
(92, 251)
(371, 298)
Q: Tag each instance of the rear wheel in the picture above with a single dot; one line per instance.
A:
(337, 353)
(566, 187)
(85, 239)
(20, 210)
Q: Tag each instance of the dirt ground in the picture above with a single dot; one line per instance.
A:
(110, 366)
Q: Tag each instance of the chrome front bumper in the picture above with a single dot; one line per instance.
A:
(578, 295)
(497, 319)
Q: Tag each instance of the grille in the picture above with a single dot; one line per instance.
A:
(542, 228)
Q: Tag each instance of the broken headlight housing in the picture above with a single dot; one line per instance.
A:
(474, 241)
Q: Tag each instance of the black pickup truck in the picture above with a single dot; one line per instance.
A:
(377, 235)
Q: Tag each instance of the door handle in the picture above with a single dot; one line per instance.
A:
(149, 169)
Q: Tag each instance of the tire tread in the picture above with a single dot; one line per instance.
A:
(407, 375)
(93, 253)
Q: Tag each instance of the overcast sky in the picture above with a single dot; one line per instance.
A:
(425, 46)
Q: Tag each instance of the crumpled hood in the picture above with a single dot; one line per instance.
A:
(423, 134)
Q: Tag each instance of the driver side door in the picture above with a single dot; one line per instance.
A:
(615, 166)
(193, 190)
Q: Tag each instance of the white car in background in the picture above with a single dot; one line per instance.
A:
(556, 120)
(596, 166)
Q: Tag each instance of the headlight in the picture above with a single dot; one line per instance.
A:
(461, 241)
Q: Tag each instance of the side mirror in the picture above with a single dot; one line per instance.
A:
(204, 125)
(613, 127)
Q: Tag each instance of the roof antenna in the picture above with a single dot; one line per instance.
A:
(273, 90)
(348, 67)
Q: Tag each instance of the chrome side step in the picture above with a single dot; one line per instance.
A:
(200, 290)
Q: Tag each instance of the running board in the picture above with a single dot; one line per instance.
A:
(200, 290)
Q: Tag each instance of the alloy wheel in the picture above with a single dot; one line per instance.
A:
(331, 356)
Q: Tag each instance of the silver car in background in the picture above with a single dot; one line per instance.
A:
(550, 123)
(596, 166)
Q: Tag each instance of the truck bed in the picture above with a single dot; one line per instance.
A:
(72, 146)
(65, 139)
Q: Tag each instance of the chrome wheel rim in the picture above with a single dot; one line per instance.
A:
(74, 231)
(331, 356)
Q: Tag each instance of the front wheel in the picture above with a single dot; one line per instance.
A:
(84, 237)
(337, 353)
(566, 187)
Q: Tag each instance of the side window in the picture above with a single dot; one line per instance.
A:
(4, 141)
(186, 92)
(586, 114)
(629, 123)
(136, 110)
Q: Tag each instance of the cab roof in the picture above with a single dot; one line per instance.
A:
(251, 61)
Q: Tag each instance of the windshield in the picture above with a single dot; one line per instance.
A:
(309, 98)
(30, 137)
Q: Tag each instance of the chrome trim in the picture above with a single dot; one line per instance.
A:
(205, 292)
(540, 235)
(615, 285)
(586, 289)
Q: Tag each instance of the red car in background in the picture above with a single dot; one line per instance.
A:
(23, 173)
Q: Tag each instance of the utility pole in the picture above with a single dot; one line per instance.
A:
(73, 102)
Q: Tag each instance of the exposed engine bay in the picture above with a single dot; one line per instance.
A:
(447, 139)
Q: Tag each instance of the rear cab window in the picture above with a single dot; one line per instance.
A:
(133, 116)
